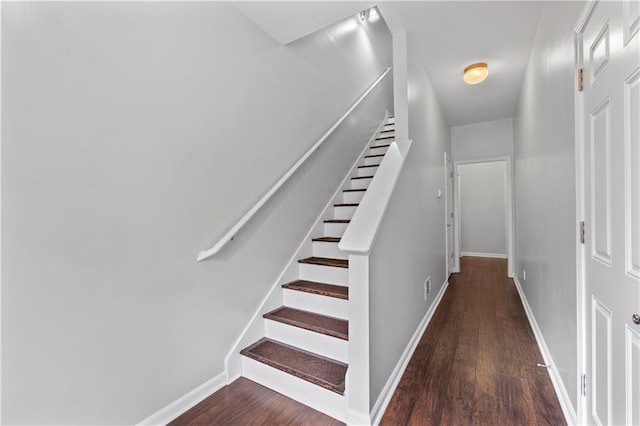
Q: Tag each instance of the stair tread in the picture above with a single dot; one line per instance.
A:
(319, 370)
(362, 177)
(370, 165)
(385, 137)
(329, 290)
(380, 146)
(374, 155)
(330, 326)
(387, 131)
(325, 261)
(353, 190)
(346, 205)
(337, 221)
(327, 239)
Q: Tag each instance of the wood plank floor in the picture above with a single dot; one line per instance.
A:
(475, 364)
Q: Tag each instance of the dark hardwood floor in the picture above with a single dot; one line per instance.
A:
(475, 364)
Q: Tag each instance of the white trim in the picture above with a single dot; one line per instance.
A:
(509, 197)
(185, 402)
(1, 223)
(233, 359)
(558, 385)
(581, 310)
(390, 387)
(207, 253)
(476, 254)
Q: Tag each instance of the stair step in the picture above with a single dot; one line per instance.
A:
(387, 131)
(325, 261)
(347, 204)
(319, 370)
(385, 137)
(362, 177)
(337, 221)
(327, 239)
(374, 156)
(354, 190)
(329, 290)
(369, 165)
(330, 326)
(380, 146)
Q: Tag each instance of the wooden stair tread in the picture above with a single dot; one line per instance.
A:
(325, 261)
(319, 370)
(327, 239)
(346, 205)
(330, 326)
(323, 289)
(353, 190)
(337, 221)
(362, 177)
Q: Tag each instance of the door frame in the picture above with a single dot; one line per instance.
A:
(581, 301)
(450, 180)
(509, 197)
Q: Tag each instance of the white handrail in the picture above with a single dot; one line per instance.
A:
(204, 254)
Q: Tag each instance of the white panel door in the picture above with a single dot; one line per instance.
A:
(611, 96)
(449, 223)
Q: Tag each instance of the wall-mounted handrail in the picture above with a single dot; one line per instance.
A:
(204, 254)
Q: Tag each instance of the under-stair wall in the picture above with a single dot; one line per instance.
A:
(134, 134)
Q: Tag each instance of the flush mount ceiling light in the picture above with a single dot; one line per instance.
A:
(372, 15)
(475, 73)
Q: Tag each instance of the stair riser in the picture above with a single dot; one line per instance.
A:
(372, 160)
(352, 197)
(317, 303)
(360, 183)
(344, 212)
(311, 341)
(324, 249)
(391, 121)
(367, 171)
(376, 151)
(324, 274)
(334, 229)
(316, 397)
(390, 126)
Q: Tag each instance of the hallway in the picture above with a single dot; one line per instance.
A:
(475, 364)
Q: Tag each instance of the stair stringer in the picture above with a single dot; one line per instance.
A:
(255, 328)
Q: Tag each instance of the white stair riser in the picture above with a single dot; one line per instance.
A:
(391, 121)
(360, 183)
(325, 249)
(334, 229)
(324, 274)
(352, 197)
(344, 212)
(367, 171)
(310, 341)
(372, 160)
(314, 396)
(324, 305)
(375, 151)
(390, 126)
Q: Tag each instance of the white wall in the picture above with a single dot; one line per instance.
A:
(134, 135)
(411, 241)
(487, 139)
(483, 208)
(545, 186)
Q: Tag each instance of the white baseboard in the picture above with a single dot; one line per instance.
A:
(186, 401)
(389, 388)
(558, 385)
(476, 254)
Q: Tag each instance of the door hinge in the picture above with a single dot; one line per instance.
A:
(581, 232)
(580, 79)
(583, 385)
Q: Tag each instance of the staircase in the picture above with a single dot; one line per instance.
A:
(304, 351)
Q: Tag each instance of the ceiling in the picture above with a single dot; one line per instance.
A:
(446, 37)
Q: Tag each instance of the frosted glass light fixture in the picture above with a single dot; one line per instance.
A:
(476, 73)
